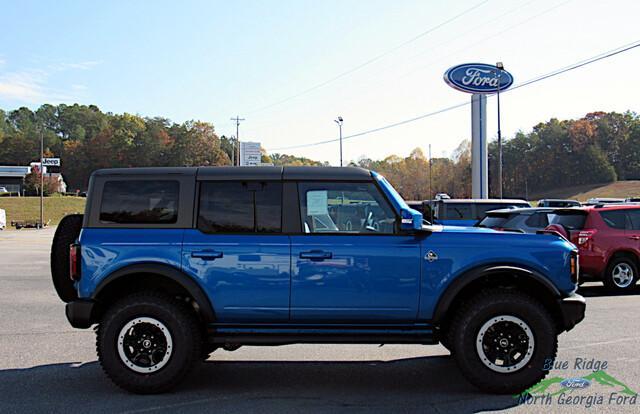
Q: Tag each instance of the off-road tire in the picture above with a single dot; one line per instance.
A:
(66, 233)
(182, 325)
(481, 308)
(608, 281)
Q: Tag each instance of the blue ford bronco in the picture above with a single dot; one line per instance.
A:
(171, 264)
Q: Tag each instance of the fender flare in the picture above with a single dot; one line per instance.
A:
(472, 275)
(167, 271)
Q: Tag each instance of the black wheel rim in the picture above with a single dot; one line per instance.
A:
(144, 345)
(505, 343)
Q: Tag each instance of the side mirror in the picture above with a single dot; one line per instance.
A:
(410, 220)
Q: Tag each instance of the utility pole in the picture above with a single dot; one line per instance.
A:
(500, 68)
(431, 206)
(233, 156)
(41, 225)
(339, 122)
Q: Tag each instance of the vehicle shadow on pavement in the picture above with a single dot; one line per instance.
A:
(424, 384)
(601, 291)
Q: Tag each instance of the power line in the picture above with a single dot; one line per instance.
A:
(577, 65)
(596, 58)
(370, 61)
(501, 32)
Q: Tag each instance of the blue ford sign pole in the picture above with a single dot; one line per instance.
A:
(479, 79)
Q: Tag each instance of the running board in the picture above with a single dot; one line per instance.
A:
(280, 334)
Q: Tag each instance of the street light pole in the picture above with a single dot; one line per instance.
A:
(500, 68)
(339, 122)
(41, 225)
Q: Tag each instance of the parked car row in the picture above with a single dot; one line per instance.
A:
(605, 230)
(607, 236)
(461, 212)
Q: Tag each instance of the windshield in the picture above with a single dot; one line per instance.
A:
(395, 198)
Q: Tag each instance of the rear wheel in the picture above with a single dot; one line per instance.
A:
(148, 342)
(621, 274)
(502, 340)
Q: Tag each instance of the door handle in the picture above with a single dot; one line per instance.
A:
(316, 255)
(206, 254)
(634, 237)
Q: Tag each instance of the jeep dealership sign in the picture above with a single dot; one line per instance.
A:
(478, 78)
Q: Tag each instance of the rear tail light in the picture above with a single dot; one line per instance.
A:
(584, 238)
(74, 261)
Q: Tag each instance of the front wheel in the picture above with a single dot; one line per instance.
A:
(621, 275)
(148, 342)
(503, 341)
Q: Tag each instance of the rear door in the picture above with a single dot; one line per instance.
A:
(350, 264)
(239, 252)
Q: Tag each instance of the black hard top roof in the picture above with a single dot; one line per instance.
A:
(248, 173)
(146, 171)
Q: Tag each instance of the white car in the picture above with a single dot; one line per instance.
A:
(3, 219)
(3, 190)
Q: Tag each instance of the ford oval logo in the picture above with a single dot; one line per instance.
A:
(575, 383)
(478, 78)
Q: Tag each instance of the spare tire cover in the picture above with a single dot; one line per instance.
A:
(67, 233)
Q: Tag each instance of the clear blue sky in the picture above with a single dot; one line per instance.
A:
(211, 60)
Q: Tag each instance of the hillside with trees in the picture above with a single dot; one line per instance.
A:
(598, 148)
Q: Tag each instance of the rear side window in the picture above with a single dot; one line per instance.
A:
(140, 202)
(458, 211)
(494, 221)
(240, 207)
(616, 219)
(569, 221)
(537, 220)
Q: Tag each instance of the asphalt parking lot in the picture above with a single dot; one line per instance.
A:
(46, 366)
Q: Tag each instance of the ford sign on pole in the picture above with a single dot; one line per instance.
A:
(478, 78)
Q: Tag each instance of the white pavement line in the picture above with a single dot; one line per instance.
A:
(164, 407)
(635, 338)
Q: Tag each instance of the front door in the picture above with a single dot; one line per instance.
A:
(238, 251)
(351, 265)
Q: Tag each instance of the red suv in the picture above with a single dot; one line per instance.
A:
(608, 238)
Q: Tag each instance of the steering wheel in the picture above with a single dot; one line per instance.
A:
(369, 223)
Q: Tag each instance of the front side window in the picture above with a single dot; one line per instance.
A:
(345, 208)
(634, 216)
(240, 207)
(140, 202)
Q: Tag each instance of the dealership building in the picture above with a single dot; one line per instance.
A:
(12, 177)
